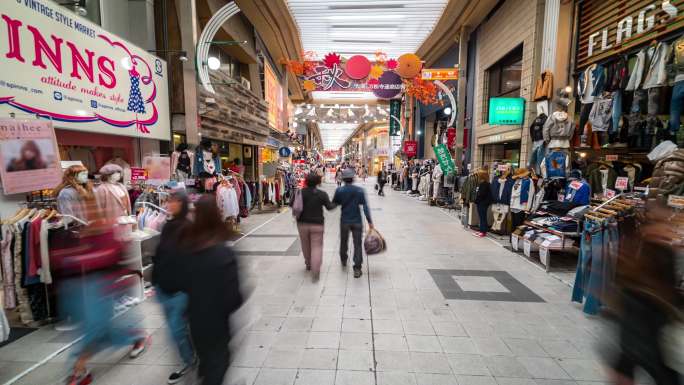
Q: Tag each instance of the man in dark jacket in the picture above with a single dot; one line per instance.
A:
(351, 197)
(382, 179)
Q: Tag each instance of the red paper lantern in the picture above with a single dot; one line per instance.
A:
(358, 67)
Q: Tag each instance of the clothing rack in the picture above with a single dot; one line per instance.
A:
(145, 204)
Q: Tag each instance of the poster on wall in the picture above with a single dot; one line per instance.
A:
(274, 97)
(29, 156)
(158, 169)
(63, 67)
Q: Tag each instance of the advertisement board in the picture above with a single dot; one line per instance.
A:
(439, 74)
(62, 67)
(274, 96)
(29, 157)
(506, 111)
(410, 148)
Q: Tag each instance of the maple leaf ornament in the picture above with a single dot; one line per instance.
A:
(392, 64)
(376, 71)
(331, 59)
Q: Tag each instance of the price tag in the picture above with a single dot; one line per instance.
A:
(544, 256)
(575, 184)
(621, 183)
(138, 174)
(514, 242)
(561, 197)
(676, 201)
(527, 248)
(609, 193)
(611, 158)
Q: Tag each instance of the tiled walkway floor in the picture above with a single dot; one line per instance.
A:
(438, 307)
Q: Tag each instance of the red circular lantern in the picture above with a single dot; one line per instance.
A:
(357, 67)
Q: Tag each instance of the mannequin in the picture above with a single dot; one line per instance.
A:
(522, 195)
(182, 163)
(118, 159)
(436, 178)
(112, 196)
(75, 192)
(501, 189)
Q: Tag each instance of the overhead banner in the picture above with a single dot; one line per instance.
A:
(386, 86)
(29, 156)
(395, 117)
(444, 158)
(62, 67)
(410, 148)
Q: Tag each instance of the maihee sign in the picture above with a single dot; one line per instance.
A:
(62, 67)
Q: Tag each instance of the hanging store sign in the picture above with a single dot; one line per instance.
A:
(387, 86)
(395, 116)
(444, 158)
(610, 27)
(29, 157)
(274, 97)
(410, 148)
(62, 67)
(506, 111)
(284, 152)
(439, 74)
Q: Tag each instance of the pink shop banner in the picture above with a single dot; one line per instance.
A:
(29, 156)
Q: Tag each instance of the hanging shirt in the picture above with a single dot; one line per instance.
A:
(555, 165)
(522, 195)
(579, 192)
(227, 200)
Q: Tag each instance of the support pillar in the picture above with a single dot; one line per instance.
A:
(464, 36)
(187, 20)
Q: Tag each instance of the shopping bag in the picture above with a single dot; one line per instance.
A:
(298, 204)
(374, 242)
(377, 187)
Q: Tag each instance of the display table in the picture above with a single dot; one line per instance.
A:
(545, 250)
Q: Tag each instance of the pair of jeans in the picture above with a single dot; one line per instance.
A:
(584, 117)
(589, 277)
(380, 187)
(611, 241)
(617, 113)
(676, 107)
(311, 236)
(175, 306)
(357, 234)
(482, 211)
(538, 155)
(654, 100)
(89, 299)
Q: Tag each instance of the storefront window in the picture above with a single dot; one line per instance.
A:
(505, 77)
(89, 9)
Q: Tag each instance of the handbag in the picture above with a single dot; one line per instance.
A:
(374, 242)
(376, 186)
(298, 205)
(82, 254)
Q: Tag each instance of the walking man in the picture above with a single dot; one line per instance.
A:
(382, 179)
(351, 197)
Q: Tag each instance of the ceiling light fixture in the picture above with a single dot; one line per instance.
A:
(213, 63)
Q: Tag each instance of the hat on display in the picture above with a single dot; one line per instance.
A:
(521, 173)
(575, 175)
(348, 173)
(109, 169)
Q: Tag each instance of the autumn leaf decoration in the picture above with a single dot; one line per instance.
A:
(391, 64)
(424, 91)
(332, 59)
(376, 71)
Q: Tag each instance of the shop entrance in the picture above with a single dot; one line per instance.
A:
(508, 152)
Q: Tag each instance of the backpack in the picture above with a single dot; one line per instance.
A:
(297, 204)
(374, 242)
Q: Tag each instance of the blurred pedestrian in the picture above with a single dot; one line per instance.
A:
(168, 267)
(310, 223)
(210, 278)
(352, 198)
(338, 176)
(382, 180)
(483, 199)
(648, 300)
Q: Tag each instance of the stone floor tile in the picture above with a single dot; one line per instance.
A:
(457, 345)
(468, 364)
(502, 366)
(389, 361)
(514, 381)
(449, 329)
(315, 377)
(353, 377)
(544, 368)
(435, 379)
(423, 343)
(430, 363)
(284, 359)
(356, 325)
(269, 376)
(418, 327)
(355, 341)
(297, 324)
(323, 340)
(326, 324)
(355, 360)
(392, 342)
(475, 380)
(491, 346)
(525, 347)
(396, 378)
(560, 348)
(319, 359)
(393, 326)
(584, 370)
(240, 376)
